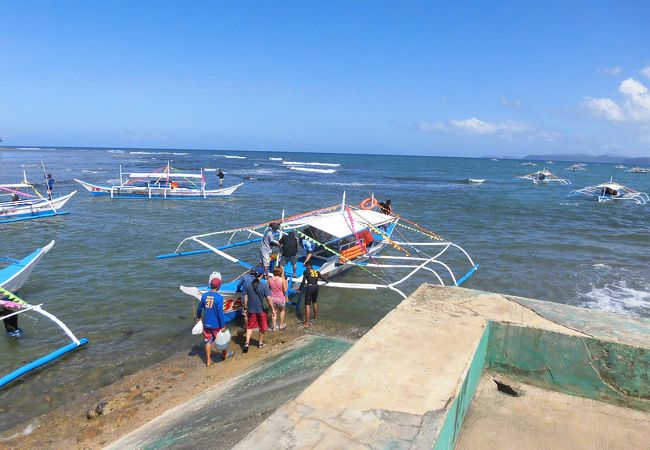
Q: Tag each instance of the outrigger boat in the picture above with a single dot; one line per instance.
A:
(26, 206)
(166, 183)
(11, 280)
(345, 237)
(15, 274)
(610, 191)
(544, 176)
(637, 170)
(576, 167)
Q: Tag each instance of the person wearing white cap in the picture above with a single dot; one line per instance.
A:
(211, 305)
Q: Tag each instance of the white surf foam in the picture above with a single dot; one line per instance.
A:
(619, 298)
(158, 153)
(298, 163)
(90, 171)
(338, 183)
(311, 169)
(275, 159)
(116, 151)
(231, 156)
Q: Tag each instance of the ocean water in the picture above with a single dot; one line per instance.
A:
(102, 278)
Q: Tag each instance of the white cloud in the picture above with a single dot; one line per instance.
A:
(604, 107)
(616, 70)
(637, 99)
(646, 72)
(507, 129)
(474, 126)
(634, 107)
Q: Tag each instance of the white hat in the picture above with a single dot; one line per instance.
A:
(214, 275)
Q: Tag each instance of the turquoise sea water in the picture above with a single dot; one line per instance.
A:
(103, 280)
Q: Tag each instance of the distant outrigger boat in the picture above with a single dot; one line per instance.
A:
(637, 170)
(11, 280)
(544, 176)
(26, 206)
(166, 184)
(610, 191)
(345, 236)
(576, 167)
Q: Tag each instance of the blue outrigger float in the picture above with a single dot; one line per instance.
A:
(12, 279)
(345, 236)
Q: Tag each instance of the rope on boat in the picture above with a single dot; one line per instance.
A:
(420, 229)
(386, 237)
(348, 260)
(19, 192)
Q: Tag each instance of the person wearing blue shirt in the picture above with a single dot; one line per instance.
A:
(211, 306)
(309, 249)
(50, 185)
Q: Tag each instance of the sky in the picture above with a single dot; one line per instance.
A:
(450, 79)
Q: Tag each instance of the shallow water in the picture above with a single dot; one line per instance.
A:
(103, 280)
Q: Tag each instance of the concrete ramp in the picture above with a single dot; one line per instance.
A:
(409, 382)
(222, 415)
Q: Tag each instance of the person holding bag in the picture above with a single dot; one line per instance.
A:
(211, 305)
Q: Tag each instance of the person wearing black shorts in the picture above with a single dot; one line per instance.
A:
(310, 278)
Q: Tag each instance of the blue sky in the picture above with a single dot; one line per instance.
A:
(455, 78)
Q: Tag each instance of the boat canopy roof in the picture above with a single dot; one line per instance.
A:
(15, 185)
(338, 225)
(157, 175)
(612, 186)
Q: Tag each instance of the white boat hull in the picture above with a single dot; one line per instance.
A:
(156, 192)
(13, 277)
(32, 209)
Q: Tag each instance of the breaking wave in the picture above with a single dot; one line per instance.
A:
(158, 153)
(311, 169)
(231, 156)
(275, 159)
(298, 163)
(618, 297)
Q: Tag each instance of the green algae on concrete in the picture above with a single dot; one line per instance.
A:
(451, 428)
(221, 416)
(597, 324)
(600, 370)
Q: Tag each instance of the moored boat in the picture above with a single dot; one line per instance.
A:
(166, 184)
(637, 170)
(345, 237)
(576, 167)
(25, 206)
(16, 273)
(612, 191)
(543, 176)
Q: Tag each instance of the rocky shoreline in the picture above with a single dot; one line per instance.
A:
(98, 418)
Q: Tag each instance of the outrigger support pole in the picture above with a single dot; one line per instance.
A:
(76, 343)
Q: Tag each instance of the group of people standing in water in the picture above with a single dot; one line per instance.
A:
(256, 295)
(261, 299)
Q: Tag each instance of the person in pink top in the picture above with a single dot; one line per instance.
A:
(279, 286)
